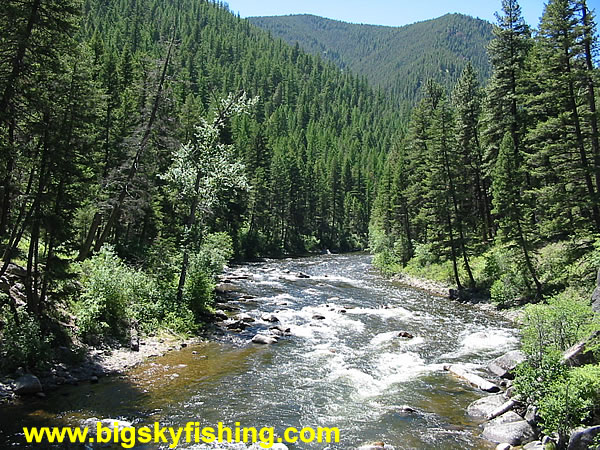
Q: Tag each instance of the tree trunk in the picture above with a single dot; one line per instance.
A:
(581, 146)
(528, 263)
(191, 220)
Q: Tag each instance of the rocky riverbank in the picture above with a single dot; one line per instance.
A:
(96, 363)
(510, 422)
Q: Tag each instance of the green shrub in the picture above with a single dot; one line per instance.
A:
(566, 319)
(215, 252)
(566, 398)
(22, 341)
(506, 276)
(571, 400)
(112, 295)
(554, 263)
(180, 320)
(198, 292)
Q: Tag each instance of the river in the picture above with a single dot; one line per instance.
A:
(349, 370)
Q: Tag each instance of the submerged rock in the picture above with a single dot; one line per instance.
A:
(376, 446)
(318, 317)
(220, 315)
(245, 318)
(405, 334)
(281, 328)
(237, 325)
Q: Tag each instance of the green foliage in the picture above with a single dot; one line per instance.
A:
(566, 398)
(571, 400)
(22, 341)
(198, 292)
(566, 319)
(505, 275)
(215, 252)
(112, 295)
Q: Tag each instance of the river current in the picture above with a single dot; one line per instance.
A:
(348, 370)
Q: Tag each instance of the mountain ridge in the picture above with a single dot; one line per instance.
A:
(397, 59)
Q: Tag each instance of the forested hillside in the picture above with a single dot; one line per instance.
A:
(398, 59)
(512, 169)
(495, 190)
(166, 132)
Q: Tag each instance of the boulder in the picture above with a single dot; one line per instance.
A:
(485, 406)
(405, 334)
(28, 384)
(263, 340)
(531, 415)
(510, 428)
(318, 317)
(578, 355)
(505, 364)
(583, 438)
(471, 378)
(269, 318)
(237, 325)
(15, 271)
(245, 318)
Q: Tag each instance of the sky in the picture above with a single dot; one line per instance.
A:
(387, 12)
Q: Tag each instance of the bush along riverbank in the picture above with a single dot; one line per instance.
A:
(109, 317)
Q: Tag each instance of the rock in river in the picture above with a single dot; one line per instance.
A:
(28, 384)
(318, 317)
(262, 339)
(486, 405)
(269, 318)
(405, 334)
(510, 428)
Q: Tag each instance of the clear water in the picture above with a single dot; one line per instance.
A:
(349, 370)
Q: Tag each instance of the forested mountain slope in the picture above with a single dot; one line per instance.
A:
(151, 125)
(399, 59)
